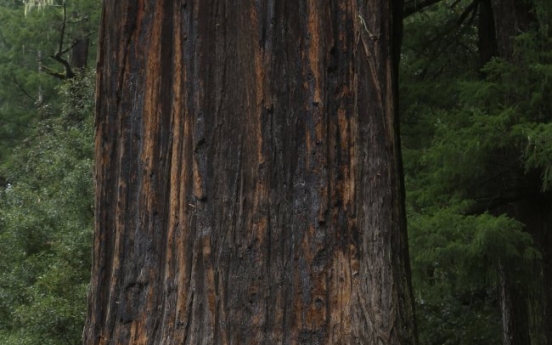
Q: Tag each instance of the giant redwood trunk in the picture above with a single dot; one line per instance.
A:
(248, 184)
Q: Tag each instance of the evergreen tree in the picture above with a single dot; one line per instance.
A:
(46, 222)
(477, 152)
(34, 44)
(45, 171)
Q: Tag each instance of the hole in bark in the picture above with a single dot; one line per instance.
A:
(199, 145)
(318, 302)
(332, 65)
(320, 260)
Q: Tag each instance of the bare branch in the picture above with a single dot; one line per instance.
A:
(58, 56)
(22, 89)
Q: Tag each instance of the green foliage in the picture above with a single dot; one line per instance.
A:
(473, 139)
(20, 47)
(27, 43)
(455, 260)
(30, 4)
(46, 222)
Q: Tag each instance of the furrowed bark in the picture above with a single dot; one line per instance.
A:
(248, 180)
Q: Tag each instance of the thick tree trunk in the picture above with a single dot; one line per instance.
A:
(536, 214)
(514, 309)
(486, 33)
(512, 17)
(79, 54)
(248, 179)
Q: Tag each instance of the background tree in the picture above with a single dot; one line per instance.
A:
(46, 213)
(248, 178)
(34, 45)
(470, 159)
(46, 222)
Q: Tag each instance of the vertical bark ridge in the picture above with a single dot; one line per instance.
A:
(258, 196)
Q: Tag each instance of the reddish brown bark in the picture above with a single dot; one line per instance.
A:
(248, 184)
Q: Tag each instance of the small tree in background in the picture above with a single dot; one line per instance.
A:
(46, 222)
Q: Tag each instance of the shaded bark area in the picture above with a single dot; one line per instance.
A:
(79, 54)
(486, 34)
(512, 17)
(535, 213)
(514, 309)
(248, 179)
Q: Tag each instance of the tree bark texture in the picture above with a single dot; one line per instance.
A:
(79, 54)
(486, 34)
(512, 17)
(248, 177)
(535, 213)
(514, 310)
